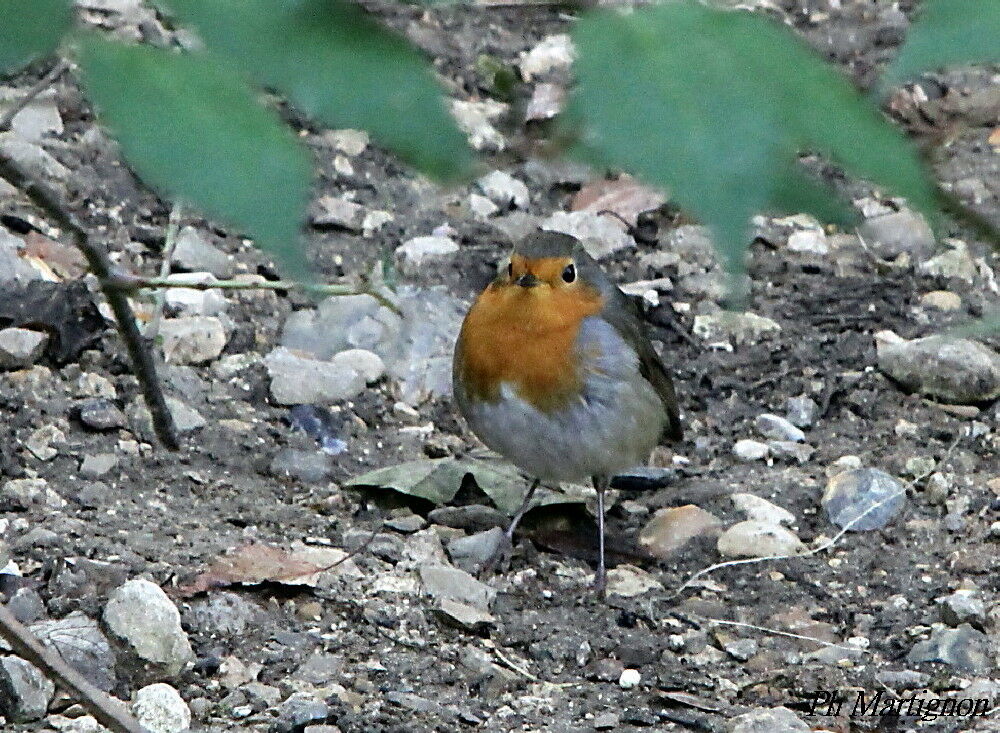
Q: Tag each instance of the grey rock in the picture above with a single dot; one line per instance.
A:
(42, 442)
(443, 582)
(101, 414)
(964, 648)
(738, 328)
(222, 614)
(192, 339)
(321, 668)
(307, 466)
(891, 235)
(475, 119)
(504, 190)
(406, 523)
(26, 605)
(297, 380)
(100, 464)
(903, 679)
(956, 370)
(190, 301)
(480, 206)
(768, 720)
(20, 347)
(472, 517)
(38, 120)
(801, 411)
(754, 538)
(552, 53)
(25, 693)
(349, 142)
(12, 267)
(298, 711)
(800, 452)
(472, 552)
(463, 614)
(37, 537)
(82, 645)
(761, 509)
(194, 253)
(421, 359)
(332, 211)
(599, 235)
(160, 709)
(546, 102)
(867, 492)
(776, 427)
(32, 158)
(23, 493)
(963, 607)
(186, 418)
(954, 263)
(342, 323)
(141, 615)
(750, 450)
(413, 253)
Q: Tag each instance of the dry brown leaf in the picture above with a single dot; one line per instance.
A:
(65, 261)
(994, 138)
(253, 564)
(624, 196)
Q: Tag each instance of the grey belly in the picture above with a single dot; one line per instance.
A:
(612, 426)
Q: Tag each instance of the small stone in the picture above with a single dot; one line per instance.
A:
(629, 581)
(12, 267)
(194, 253)
(768, 720)
(920, 465)
(33, 159)
(599, 235)
(25, 693)
(844, 463)
(407, 523)
(778, 428)
(473, 552)
(955, 370)
(671, 528)
(551, 53)
(331, 211)
(101, 414)
(900, 232)
(41, 441)
(758, 539)
(942, 300)
(852, 496)
(297, 380)
(307, 466)
(471, 517)
(79, 641)
(750, 450)
(762, 510)
(481, 207)
(964, 648)
(375, 220)
(629, 678)
(20, 347)
(413, 253)
(801, 411)
(504, 190)
(955, 263)
(801, 452)
(808, 241)
(350, 142)
(37, 120)
(963, 607)
(140, 614)
(546, 102)
(192, 340)
(441, 581)
(23, 493)
(464, 615)
(160, 709)
(475, 120)
(298, 711)
(738, 328)
(192, 302)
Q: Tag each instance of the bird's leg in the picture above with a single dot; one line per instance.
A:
(508, 541)
(601, 577)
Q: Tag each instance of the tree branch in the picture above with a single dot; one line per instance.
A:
(108, 711)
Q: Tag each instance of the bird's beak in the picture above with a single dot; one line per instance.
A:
(527, 280)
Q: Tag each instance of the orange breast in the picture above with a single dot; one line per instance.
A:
(525, 337)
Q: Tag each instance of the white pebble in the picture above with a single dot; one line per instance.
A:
(630, 678)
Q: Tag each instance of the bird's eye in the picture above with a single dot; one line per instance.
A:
(510, 269)
(569, 274)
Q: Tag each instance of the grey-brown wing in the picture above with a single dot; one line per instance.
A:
(623, 313)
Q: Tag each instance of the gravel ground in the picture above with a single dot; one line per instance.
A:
(246, 582)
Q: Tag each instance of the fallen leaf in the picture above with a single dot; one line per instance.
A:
(256, 563)
(994, 138)
(625, 196)
(64, 261)
(65, 310)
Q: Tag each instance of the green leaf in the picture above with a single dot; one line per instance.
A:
(714, 105)
(195, 132)
(949, 33)
(30, 29)
(339, 66)
(797, 191)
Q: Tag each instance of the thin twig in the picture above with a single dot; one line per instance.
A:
(826, 545)
(789, 634)
(169, 244)
(128, 282)
(48, 200)
(108, 711)
(40, 86)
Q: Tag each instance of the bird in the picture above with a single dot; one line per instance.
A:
(554, 370)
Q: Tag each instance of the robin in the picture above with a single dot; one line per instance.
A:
(554, 371)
